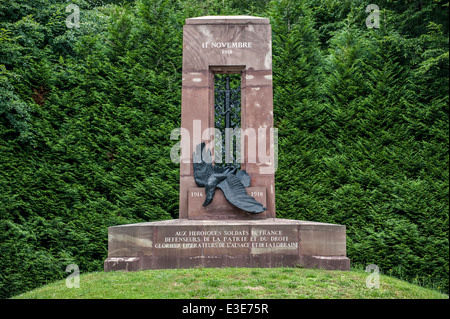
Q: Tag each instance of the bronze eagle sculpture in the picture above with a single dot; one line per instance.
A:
(231, 181)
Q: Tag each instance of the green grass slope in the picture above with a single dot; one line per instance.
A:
(232, 283)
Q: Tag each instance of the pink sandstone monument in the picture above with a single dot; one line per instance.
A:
(220, 234)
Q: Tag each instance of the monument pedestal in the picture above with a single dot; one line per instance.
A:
(184, 243)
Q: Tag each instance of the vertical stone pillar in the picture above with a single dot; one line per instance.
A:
(228, 44)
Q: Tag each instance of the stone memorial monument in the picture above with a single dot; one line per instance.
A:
(227, 165)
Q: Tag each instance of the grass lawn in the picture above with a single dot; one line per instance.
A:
(232, 283)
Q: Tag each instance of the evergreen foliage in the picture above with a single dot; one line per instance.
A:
(86, 115)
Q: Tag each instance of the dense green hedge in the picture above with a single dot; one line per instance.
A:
(86, 115)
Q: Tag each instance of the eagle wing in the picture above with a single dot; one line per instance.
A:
(244, 177)
(235, 193)
(203, 170)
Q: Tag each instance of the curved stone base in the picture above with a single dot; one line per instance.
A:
(183, 243)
